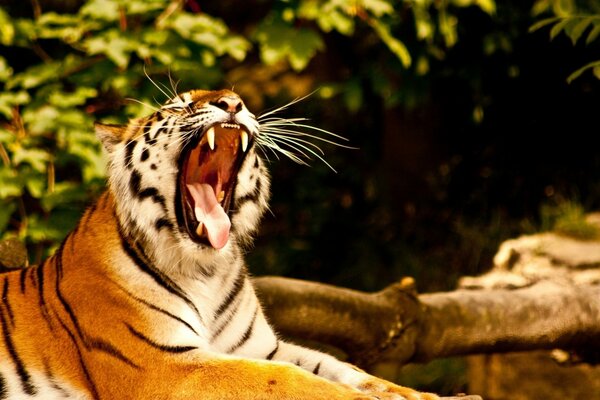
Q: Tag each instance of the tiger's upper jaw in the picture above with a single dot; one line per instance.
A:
(189, 169)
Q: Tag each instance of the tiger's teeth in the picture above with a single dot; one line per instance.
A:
(221, 196)
(210, 137)
(244, 137)
(200, 229)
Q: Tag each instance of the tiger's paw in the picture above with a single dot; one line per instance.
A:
(382, 389)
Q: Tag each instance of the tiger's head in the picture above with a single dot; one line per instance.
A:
(188, 177)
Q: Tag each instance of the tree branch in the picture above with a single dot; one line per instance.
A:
(394, 324)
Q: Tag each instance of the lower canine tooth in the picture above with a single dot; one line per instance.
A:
(221, 196)
(210, 137)
(200, 229)
(244, 137)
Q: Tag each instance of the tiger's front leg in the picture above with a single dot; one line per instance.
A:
(240, 379)
(330, 368)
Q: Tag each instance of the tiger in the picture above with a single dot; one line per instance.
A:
(149, 296)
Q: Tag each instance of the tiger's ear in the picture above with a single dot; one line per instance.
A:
(110, 135)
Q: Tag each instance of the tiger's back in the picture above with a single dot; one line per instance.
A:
(148, 297)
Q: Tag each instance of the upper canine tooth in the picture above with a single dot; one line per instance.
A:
(210, 137)
(244, 137)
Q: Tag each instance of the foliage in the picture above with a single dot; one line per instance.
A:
(63, 68)
(575, 22)
(568, 217)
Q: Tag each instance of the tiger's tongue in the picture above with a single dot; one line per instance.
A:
(210, 213)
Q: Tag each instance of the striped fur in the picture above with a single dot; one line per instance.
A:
(130, 307)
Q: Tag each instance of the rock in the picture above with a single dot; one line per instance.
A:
(522, 262)
(13, 255)
(545, 256)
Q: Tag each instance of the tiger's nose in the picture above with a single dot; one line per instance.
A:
(231, 104)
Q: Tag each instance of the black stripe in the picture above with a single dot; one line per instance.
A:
(11, 316)
(159, 277)
(22, 276)
(151, 141)
(3, 389)
(53, 382)
(61, 298)
(129, 147)
(207, 270)
(152, 192)
(145, 155)
(252, 196)
(272, 354)
(40, 285)
(162, 347)
(88, 213)
(24, 376)
(233, 292)
(135, 182)
(81, 362)
(154, 307)
(316, 368)
(106, 347)
(73, 234)
(163, 222)
(246, 334)
(32, 272)
(226, 321)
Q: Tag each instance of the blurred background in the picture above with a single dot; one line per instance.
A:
(473, 122)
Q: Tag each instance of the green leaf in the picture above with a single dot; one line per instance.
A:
(114, 45)
(278, 41)
(35, 184)
(55, 227)
(37, 158)
(64, 193)
(6, 70)
(378, 8)
(540, 24)
(304, 48)
(560, 26)
(106, 10)
(8, 100)
(593, 35)
(577, 74)
(76, 98)
(12, 184)
(41, 120)
(209, 32)
(7, 209)
(35, 76)
(488, 6)
(329, 15)
(142, 7)
(395, 45)
(68, 27)
(7, 29)
(579, 28)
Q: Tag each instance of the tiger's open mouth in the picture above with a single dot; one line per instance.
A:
(207, 180)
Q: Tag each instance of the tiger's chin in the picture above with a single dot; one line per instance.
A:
(207, 179)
